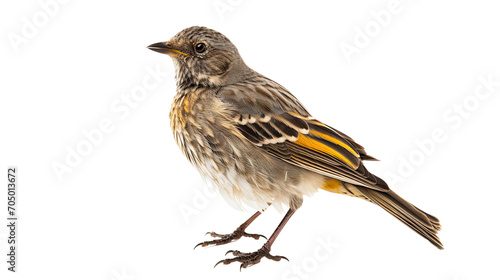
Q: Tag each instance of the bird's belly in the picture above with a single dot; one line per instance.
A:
(248, 179)
(238, 190)
(259, 188)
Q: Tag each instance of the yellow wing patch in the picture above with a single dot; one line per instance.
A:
(334, 140)
(314, 145)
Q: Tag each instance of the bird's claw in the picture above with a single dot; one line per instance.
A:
(228, 238)
(249, 259)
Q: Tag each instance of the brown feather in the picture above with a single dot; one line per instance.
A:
(421, 222)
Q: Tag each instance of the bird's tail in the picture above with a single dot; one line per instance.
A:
(424, 224)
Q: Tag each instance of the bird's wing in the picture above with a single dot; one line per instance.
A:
(272, 119)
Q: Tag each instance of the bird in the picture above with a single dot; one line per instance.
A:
(254, 142)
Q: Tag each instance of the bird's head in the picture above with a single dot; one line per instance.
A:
(202, 57)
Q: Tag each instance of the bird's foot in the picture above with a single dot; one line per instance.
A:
(228, 238)
(249, 259)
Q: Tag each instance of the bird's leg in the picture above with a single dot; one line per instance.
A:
(249, 259)
(237, 234)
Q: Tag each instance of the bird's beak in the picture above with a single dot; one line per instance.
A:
(166, 48)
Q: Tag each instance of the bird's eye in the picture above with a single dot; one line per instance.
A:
(200, 47)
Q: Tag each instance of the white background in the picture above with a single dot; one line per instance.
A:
(119, 213)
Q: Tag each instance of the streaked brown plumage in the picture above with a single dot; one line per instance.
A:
(256, 143)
